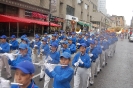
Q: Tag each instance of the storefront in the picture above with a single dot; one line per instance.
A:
(18, 21)
(83, 26)
(71, 22)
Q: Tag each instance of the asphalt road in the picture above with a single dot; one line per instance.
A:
(117, 74)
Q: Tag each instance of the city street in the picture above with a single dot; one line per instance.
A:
(117, 73)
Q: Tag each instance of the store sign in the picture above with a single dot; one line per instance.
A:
(69, 17)
(35, 15)
(53, 6)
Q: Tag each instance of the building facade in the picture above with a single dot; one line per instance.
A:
(120, 21)
(102, 6)
(70, 14)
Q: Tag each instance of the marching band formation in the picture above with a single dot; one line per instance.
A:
(61, 57)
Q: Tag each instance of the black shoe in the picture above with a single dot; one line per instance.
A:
(95, 75)
(40, 79)
(91, 84)
(9, 78)
(106, 64)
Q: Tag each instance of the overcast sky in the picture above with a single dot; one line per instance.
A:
(120, 8)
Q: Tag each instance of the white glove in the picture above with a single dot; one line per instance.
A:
(80, 61)
(42, 50)
(49, 67)
(33, 40)
(101, 46)
(15, 54)
(76, 64)
(78, 43)
(35, 45)
(0, 48)
(49, 58)
(10, 44)
(91, 55)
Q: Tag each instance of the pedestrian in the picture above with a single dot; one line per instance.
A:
(61, 74)
(81, 62)
(24, 72)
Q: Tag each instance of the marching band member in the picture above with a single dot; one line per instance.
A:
(103, 46)
(22, 56)
(87, 40)
(24, 72)
(54, 39)
(4, 48)
(53, 58)
(46, 35)
(81, 62)
(25, 41)
(80, 39)
(71, 46)
(74, 39)
(93, 53)
(35, 44)
(45, 50)
(63, 74)
(65, 47)
(99, 49)
(13, 43)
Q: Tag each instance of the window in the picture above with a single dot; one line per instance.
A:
(86, 6)
(70, 10)
(79, 1)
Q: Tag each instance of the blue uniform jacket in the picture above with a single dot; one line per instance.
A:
(94, 51)
(88, 42)
(66, 50)
(19, 59)
(104, 44)
(38, 43)
(29, 51)
(85, 58)
(99, 49)
(5, 48)
(62, 76)
(55, 57)
(81, 41)
(72, 48)
(46, 49)
(32, 85)
(15, 45)
(52, 41)
(74, 40)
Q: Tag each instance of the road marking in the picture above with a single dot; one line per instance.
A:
(36, 75)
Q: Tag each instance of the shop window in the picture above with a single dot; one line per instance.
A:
(13, 11)
(70, 10)
(86, 6)
(1, 8)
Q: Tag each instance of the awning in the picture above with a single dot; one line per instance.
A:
(87, 25)
(5, 18)
(81, 23)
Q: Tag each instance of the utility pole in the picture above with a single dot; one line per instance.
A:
(49, 15)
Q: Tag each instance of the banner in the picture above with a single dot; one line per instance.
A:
(53, 6)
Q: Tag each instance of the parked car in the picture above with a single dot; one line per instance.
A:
(131, 38)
